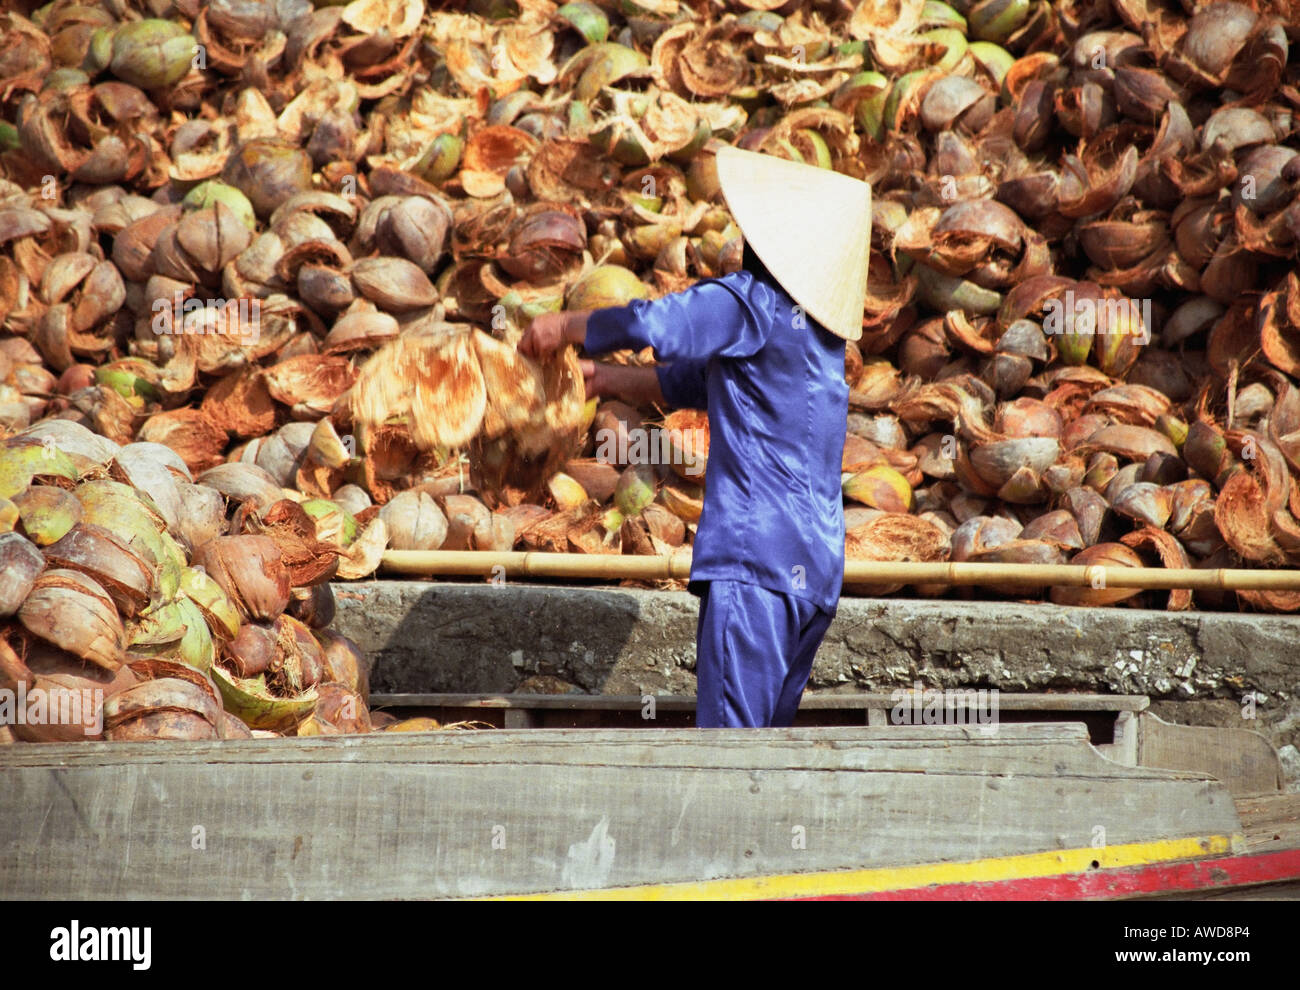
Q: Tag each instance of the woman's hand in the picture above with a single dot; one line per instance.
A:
(640, 386)
(594, 377)
(550, 331)
(544, 336)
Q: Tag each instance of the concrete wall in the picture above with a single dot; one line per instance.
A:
(1198, 667)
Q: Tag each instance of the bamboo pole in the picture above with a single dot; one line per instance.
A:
(488, 564)
(615, 567)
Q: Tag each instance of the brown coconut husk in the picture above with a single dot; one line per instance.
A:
(893, 536)
(525, 517)
(684, 499)
(164, 708)
(39, 665)
(587, 532)
(241, 404)
(1107, 555)
(431, 379)
(309, 560)
(165, 724)
(515, 467)
(516, 395)
(1134, 443)
(566, 396)
(192, 433)
(1171, 554)
(312, 382)
(687, 443)
(250, 571)
(1271, 601)
(339, 711)
(1241, 514)
(596, 478)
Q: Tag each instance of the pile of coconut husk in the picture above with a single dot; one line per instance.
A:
(161, 607)
(296, 245)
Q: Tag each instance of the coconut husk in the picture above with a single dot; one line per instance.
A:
(53, 671)
(206, 695)
(1242, 516)
(1271, 601)
(594, 131)
(1278, 337)
(565, 398)
(514, 467)
(686, 443)
(75, 613)
(564, 171)
(106, 412)
(598, 479)
(250, 571)
(1171, 554)
(516, 395)
(589, 531)
(310, 561)
(635, 538)
(344, 663)
(543, 530)
(168, 705)
(318, 480)
(339, 711)
(20, 565)
(683, 499)
(496, 149)
(664, 527)
(893, 536)
(1134, 443)
(310, 382)
(432, 380)
(525, 516)
(192, 433)
(465, 514)
(362, 557)
(390, 454)
(101, 554)
(1106, 555)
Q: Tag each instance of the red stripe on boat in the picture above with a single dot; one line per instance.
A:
(1132, 881)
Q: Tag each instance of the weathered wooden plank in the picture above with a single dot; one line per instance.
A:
(1124, 747)
(686, 702)
(614, 743)
(1051, 749)
(478, 813)
(1244, 760)
(1270, 821)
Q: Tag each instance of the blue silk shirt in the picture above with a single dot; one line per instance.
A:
(772, 381)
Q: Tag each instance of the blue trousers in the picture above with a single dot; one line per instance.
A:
(754, 652)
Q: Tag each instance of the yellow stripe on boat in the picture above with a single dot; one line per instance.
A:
(839, 883)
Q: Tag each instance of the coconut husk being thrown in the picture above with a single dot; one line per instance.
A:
(455, 386)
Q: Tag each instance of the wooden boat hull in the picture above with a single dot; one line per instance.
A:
(830, 812)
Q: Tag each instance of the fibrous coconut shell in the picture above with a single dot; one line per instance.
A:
(241, 404)
(192, 433)
(433, 380)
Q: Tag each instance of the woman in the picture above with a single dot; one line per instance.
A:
(762, 350)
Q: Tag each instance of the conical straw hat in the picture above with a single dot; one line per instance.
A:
(810, 226)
